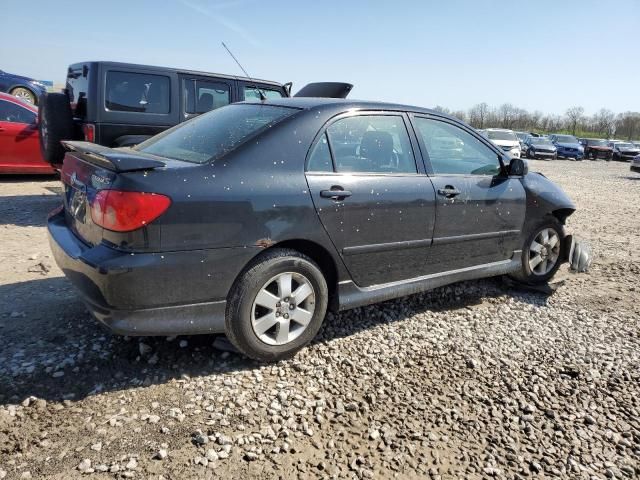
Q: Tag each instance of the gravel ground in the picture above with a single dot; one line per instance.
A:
(471, 381)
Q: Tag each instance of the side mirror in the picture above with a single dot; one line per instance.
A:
(518, 167)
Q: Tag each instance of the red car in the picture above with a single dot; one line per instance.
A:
(19, 142)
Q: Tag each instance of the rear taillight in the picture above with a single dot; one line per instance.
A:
(126, 211)
(89, 131)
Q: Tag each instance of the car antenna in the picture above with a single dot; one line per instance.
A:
(263, 97)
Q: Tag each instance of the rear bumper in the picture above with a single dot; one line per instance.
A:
(169, 293)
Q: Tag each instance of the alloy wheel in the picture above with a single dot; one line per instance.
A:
(544, 251)
(283, 308)
(24, 94)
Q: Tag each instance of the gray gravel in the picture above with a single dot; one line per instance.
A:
(475, 380)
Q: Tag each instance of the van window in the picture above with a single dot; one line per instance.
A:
(251, 93)
(137, 92)
(202, 96)
(78, 88)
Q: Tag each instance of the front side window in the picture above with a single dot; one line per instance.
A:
(10, 112)
(452, 150)
(212, 135)
(137, 92)
(202, 96)
(251, 93)
(371, 144)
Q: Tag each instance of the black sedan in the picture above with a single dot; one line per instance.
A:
(256, 218)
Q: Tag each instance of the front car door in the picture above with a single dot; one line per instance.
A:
(19, 147)
(375, 203)
(480, 211)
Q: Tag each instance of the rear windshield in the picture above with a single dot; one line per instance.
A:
(501, 135)
(214, 134)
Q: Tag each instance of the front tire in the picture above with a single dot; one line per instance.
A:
(541, 253)
(276, 306)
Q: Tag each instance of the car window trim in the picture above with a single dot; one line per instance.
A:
(352, 113)
(425, 153)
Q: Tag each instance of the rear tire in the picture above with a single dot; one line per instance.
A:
(55, 123)
(25, 94)
(541, 258)
(264, 319)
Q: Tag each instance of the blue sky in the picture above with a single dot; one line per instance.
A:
(545, 55)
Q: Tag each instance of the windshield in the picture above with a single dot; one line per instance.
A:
(566, 139)
(598, 143)
(521, 135)
(540, 141)
(624, 145)
(501, 135)
(214, 134)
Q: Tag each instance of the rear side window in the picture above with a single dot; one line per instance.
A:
(10, 112)
(320, 158)
(210, 136)
(251, 93)
(137, 92)
(371, 144)
(202, 96)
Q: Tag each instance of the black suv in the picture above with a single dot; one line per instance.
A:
(121, 104)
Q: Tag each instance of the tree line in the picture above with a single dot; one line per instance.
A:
(603, 124)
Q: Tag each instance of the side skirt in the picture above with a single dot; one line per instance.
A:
(352, 296)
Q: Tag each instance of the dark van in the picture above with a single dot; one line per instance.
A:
(121, 104)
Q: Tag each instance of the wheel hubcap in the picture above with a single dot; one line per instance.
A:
(24, 95)
(283, 308)
(544, 251)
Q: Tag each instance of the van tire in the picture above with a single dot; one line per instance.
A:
(55, 123)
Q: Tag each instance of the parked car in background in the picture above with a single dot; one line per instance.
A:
(540, 147)
(254, 218)
(635, 164)
(505, 139)
(522, 136)
(121, 104)
(567, 146)
(25, 88)
(597, 148)
(624, 151)
(19, 142)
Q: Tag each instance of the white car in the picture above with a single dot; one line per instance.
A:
(505, 139)
(635, 164)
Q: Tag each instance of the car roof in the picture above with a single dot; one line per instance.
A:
(309, 103)
(178, 70)
(10, 98)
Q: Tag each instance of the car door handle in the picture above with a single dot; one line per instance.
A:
(336, 193)
(448, 191)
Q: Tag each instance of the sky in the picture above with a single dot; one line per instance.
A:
(545, 55)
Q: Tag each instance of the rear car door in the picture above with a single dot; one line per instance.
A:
(377, 206)
(18, 136)
(201, 95)
(480, 211)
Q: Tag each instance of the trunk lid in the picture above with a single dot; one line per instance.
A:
(87, 169)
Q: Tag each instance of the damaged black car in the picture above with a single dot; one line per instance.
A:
(254, 219)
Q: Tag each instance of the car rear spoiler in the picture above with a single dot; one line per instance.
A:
(325, 90)
(111, 159)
